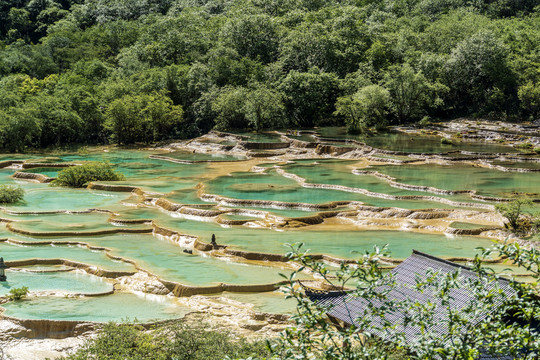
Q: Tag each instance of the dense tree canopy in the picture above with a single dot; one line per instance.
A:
(89, 71)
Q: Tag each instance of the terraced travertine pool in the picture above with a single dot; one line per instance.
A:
(116, 244)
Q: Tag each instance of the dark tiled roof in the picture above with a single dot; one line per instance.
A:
(348, 307)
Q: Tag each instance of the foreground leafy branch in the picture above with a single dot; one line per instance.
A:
(498, 320)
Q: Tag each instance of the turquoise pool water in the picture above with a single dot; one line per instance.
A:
(184, 184)
(72, 282)
(117, 307)
(400, 141)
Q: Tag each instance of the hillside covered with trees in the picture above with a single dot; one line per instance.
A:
(127, 71)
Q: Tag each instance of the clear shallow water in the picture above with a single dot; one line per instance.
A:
(186, 196)
(349, 244)
(400, 141)
(180, 183)
(189, 156)
(12, 252)
(459, 177)
(50, 172)
(46, 198)
(166, 260)
(68, 223)
(261, 137)
(72, 281)
(302, 137)
(274, 187)
(117, 307)
(464, 225)
(340, 173)
(335, 172)
(269, 302)
(519, 164)
(430, 144)
(353, 244)
(136, 164)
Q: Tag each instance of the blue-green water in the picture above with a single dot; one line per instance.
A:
(187, 183)
(117, 307)
(72, 282)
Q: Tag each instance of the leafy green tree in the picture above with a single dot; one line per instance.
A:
(19, 22)
(529, 95)
(174, 39)
(379, 55)
(310, 45)
(440, 58)
(202, 111)
(412, 95)
(122, 119)
(264, 108)
(508, 329)
(478, 68)
(20, 57)
(94, 70)
(160, 117)
(507, 8)
(121, 342)
(277, 8)
(357, 80)
(367, 107)
(253, 36)
(60, 124)
(309, 98)
(229, 108)
(226, 67)
(20, 129)
(143, 118)
(87, 107)
(49, 16)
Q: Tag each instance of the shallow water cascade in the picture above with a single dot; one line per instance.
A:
(140, 248)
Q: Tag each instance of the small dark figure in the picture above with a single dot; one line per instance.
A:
(188, 251)
(214, 243)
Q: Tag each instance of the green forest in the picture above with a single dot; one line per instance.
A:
(141, 71)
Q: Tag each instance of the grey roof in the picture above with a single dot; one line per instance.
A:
(347, 307)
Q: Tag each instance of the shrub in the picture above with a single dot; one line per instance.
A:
(130, 341)
(537, 150)
(16, 294)
(81, 175)
(524, 146)
(425, 121)
(446, 141)
(124, 341)
(513, 212)
(10, 194)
